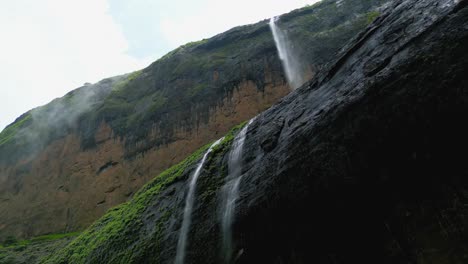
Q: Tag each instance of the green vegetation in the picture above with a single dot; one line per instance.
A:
(117, 105)
(194, 43)
(12, 242)
(371, 16)
(119, 230)
(9, 241)
(53, 237)
(321, 30)
(158, 102)
(132, 76)
(200, 62)
(129, 110)
(184, 47)
(10, 131)
(212, 184)
(225, 144)
(33, 250)
(197, 88)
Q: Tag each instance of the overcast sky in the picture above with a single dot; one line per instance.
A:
(50, 47)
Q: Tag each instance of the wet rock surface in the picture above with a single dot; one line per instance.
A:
(373, 170)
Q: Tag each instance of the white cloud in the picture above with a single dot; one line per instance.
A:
(53, 46)
(215, 16)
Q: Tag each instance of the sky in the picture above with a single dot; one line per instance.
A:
(51, 47)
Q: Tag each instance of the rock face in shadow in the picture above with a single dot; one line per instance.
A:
(365, 164)
(370, 166)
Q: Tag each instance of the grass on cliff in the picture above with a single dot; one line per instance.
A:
(132, 76)
(113, 227)
(13, 243)
(33, 250)
(118, 229)
(10, 131)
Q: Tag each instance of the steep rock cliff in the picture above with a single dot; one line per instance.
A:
(364, 164)
(64, 164)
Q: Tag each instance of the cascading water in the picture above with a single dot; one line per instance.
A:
(231, 191)
(189, 200)
(291, 62)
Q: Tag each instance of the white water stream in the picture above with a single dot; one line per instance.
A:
(231, 191)
(189, 201)
(291, 62)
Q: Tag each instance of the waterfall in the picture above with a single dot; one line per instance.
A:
(231, 191)
(189, 201)
(291, 62)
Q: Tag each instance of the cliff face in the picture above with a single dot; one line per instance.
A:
(71, 186)
(64, 164)
(364, 164)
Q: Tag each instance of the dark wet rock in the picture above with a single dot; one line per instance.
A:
(373, 170)
(270, 142)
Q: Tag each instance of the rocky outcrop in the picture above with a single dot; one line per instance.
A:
(364, 164)
(64, 164)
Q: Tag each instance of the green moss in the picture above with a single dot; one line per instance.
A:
(122, 84)
(54, 236)
(313, 6)
(197, 89)
(158, 102)
(9, 241)
(12, 243)
(225, 144)
(118, 230)
(10, 131)
(118, 106)
(194, 43)
(371, 16)
(156, 242)
(212, 183)
(183, 48)
(34, 249)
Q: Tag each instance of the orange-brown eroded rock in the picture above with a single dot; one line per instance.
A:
(65, 188)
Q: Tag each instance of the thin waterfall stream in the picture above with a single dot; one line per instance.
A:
(189, 201)
(290, 61)
(231, 191)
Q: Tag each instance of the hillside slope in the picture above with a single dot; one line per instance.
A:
(65, 164)
(364, 164)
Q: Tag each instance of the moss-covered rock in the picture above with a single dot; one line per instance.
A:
(141, 229)
(34, 249)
